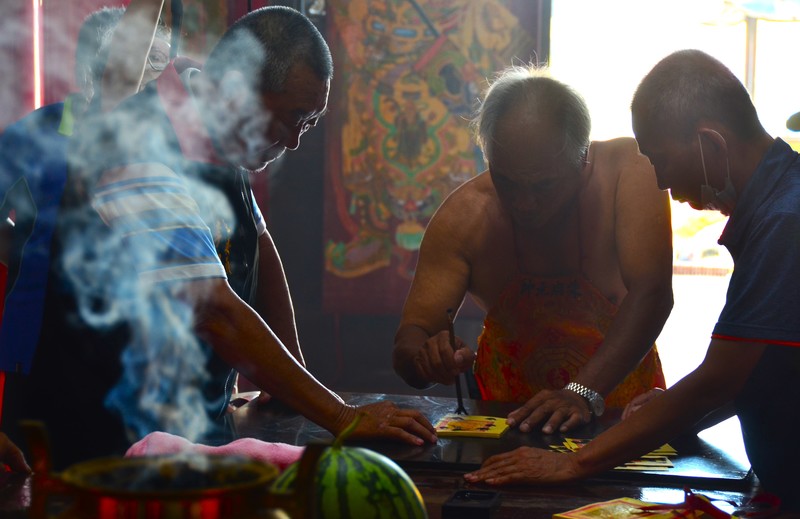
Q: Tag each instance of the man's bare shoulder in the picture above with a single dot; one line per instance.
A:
(467, 217)
(618, 160)
(478, 188)
(616, 152)
(469, 202)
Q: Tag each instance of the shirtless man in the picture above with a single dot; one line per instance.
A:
(566, 245)
(695, 121)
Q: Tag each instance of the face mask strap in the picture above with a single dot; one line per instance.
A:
(711, 198)
(703, 160)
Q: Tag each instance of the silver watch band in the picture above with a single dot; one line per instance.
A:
(595, 399)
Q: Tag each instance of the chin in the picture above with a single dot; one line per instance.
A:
(257, 169)
(685, 200)
(258, 164)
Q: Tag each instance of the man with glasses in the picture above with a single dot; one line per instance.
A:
(168, 277)
(33, 155)
(157, 60)
(33, 169)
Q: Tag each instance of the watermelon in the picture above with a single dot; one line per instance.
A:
(354, 482)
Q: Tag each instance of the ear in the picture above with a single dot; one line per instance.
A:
(713, 139)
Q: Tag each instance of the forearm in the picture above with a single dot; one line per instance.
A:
(273, 299)
(658, 422)
(277, 310)
(706, 390)
(637, 324)
(408, 341)
(714, 417)
(246, 343)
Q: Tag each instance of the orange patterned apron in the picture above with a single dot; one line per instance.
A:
(539, 335)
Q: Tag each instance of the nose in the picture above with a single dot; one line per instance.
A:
(292, 141)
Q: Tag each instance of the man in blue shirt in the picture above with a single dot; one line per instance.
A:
(33, 158)
(116, 50)
(696, 123)
(33, 168)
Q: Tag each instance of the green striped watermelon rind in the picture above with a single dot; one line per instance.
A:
(356, 482)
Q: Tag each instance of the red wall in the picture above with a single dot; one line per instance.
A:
(60, 23)
(61, 20)
(16, 37)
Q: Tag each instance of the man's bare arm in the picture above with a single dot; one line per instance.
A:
(712, 385)
(239, 335)
(274, 304)
(273, 299)
(644, 246)
(422, 353)
(243, 340)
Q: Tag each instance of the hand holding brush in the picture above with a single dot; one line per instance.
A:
(450, 329)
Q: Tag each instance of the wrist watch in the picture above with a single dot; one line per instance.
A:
(596, 402)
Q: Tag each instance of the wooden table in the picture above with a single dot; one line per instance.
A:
(437, 470)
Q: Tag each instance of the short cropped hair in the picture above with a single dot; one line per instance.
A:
(270, 40)
(688, 86)
(531, 90)
(91, 50)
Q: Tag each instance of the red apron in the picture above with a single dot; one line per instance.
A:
(539, 335)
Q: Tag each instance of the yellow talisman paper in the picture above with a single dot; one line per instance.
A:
(474, 426)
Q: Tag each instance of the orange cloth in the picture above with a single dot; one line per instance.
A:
(539, 335)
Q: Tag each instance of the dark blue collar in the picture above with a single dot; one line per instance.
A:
(769, 172)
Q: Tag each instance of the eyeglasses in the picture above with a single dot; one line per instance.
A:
(157, 61)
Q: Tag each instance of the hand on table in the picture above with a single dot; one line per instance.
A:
(386, 420)
(635, 404)
(437, 362)
(11, 456)
(525, 465)
(561, 410)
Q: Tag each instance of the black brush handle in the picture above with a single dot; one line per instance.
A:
(451, 331)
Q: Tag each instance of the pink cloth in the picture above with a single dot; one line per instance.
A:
(157, 443)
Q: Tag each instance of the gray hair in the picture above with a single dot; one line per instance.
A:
(270, 40)
(689, 86)
(91, 50)
(532, 90)
(94, 43)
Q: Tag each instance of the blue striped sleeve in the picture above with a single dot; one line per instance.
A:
(151, 209)
(261, 224)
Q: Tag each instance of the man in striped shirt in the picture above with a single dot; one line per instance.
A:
(165, 261)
